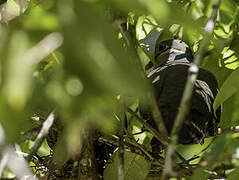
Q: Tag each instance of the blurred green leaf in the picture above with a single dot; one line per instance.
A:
(44, 150)
(216, 149)
(234, 175)
(135, 167)
(228, 8)
(230, 113)
(199, 174)
(153, 7)
(229, 87)
(40, 19)
(13, 120)
(61, 154)
(17, 85)
(97, 55)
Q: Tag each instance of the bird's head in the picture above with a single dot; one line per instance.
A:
(172, 50)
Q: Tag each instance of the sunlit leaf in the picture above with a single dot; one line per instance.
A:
(188, 151)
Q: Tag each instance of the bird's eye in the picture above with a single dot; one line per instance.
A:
(161, 48)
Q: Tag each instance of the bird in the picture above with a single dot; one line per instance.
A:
(168, 76)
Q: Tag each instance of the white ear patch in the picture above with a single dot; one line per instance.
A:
(172, 50)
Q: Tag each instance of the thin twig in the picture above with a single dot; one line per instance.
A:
(42, 134)
(161, 139)
(184, 161)
(214, 174)
(113, 140)
(134, 134)
(234, 129)
(187, 94)
(158, 119)
(188, 6)
(121, 118)
(140, 146)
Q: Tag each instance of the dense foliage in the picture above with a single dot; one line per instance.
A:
(83, 61)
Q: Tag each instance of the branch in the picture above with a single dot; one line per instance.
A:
(161, 139)
(187, 94)
(43, 48)
(140, 146)
(133, 147)
(188, 165)
(121, 139)
(157, 116)
(42, 134)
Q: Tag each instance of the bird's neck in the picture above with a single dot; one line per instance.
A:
(177, 56)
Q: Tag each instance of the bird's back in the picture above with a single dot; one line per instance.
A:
(168, 82)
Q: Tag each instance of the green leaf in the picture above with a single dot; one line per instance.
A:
(230, 59)
(228, 8)
(97, 57)
(230, 113)
(153, 7)
(135, 167)
(234, 175)
(18, 71)
(199, 174)
(229, 87)
(40, 19)
(216, 149)
(188, 151)
(12, 120)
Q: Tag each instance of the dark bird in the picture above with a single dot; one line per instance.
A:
(168, 78)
